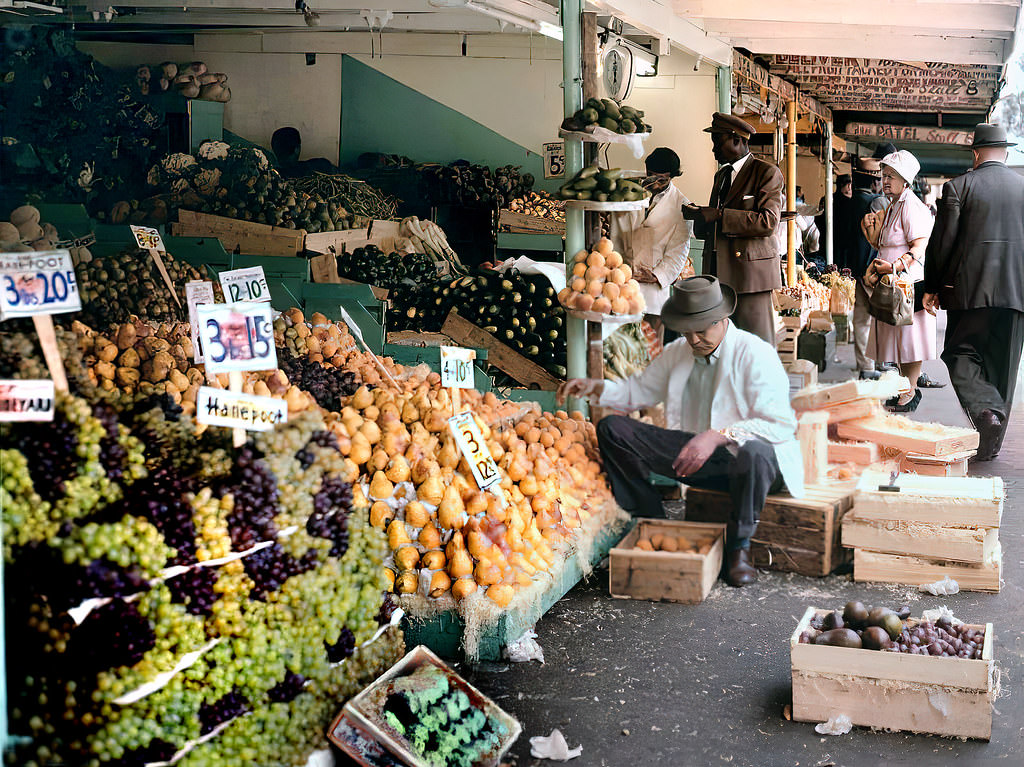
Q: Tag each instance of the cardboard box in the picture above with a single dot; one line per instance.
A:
(893, 691)
(662, 575)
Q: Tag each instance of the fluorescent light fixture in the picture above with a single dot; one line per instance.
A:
(543, 27)
(550, 30)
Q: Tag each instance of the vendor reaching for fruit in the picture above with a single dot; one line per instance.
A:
(655, 241)
(730, 424)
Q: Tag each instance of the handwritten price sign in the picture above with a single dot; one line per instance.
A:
(39, 282)
(457, 367)
(238, 336)
(245, 285)
(26, 400)
(217, 407)
(148, 238)
(474, 448)
(197, 292)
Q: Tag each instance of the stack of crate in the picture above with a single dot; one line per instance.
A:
(913, 529)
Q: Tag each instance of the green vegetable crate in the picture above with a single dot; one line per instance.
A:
(443, 633)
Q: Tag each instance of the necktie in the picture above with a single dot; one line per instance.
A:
(723, 190)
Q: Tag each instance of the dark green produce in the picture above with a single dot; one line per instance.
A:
(370, 265)
(839, 638)
(521, 311)
(473, 185)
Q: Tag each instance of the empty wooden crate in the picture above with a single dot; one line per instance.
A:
(891, 690)
(670, 576)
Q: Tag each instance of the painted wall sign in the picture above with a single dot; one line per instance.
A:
(917, 133)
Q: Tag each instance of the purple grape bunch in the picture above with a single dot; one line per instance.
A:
(331, 507)
(194, 589)
(256, 501)
(287, 689)
(112, 635)
(226, 708)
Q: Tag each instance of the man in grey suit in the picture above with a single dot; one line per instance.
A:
(974, 269)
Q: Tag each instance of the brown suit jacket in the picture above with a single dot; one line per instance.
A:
(743, 240)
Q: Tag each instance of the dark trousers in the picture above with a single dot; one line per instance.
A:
(632, 450)
(754, 314)
(982, 352)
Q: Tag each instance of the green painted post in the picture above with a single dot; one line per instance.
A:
(3, 653)
(571, 12)
(725, 89)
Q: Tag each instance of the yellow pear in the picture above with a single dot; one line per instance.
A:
(501, 594)
(463, 587)
(381, 487)
(416, 514)
(439, 584)
(434, 560)
(397, 536)
(381, 515)
(408, 582)
(431, 490)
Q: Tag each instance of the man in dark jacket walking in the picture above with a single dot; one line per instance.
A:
(974, 269)
(856, 252)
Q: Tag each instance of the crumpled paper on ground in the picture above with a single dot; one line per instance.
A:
(944, 588)
(553, 747)
(837, 725)
(525, 649)
(940, 612)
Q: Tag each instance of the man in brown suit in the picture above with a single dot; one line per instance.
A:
(738, 226)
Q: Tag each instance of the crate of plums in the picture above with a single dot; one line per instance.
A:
(884, 669)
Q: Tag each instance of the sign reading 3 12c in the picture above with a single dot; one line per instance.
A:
(474, 449)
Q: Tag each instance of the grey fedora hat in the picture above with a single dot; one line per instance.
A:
(987, 134)
(696, 303)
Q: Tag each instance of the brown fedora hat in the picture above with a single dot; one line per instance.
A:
(730, 125)
(869, 166)
(696, 303)
(987, 134)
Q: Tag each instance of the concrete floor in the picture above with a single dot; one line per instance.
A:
(640, 683)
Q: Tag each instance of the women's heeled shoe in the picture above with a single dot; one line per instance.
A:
(910, 406)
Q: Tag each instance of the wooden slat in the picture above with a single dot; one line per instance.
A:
(814, 564)
(248, 237)
(793, 536)
(909, 436)
(524, 371)
(913, 571)
(521, 223)
(863, 453)
(820, 396)
(812, 433)
(810, 511)
(959, 544)
(847, 411)
(961, 501)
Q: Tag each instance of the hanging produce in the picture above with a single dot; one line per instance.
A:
(625, 352)
(602, 185)
(473, 185)
(605, 113)
(602, 283)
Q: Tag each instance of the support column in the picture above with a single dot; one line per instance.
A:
(572, 94)
(791, 191)
(725, 89)
(829, 193)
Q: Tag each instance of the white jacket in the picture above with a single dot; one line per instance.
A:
(751, 396)
(660, 243)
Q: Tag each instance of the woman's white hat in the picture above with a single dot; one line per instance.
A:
(904, 163)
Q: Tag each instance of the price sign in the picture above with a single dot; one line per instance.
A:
(457, 367)
(235, 410)
(471, 443)
(554, 159)
(245, 285)
(29, 400)
(197, 292)
(237, 336)
(148, 238)
(37, 282)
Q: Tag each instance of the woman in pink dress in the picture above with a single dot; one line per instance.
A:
(902, 239)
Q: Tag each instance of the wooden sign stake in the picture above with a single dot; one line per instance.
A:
(235, 385)
(163, 273)
(48, 340)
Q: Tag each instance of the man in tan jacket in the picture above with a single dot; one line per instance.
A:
(738, 226)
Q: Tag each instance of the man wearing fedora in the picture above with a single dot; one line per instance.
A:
(739, 225)
(974, 269)
(730, 425)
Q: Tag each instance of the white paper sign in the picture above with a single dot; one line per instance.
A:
(28, 400)
(554, 159)
(457, 367)
(37, 282)
(238, 336)
(197, 292)
(148, 238)
(218, 407)
(245, 285)
(474, 448)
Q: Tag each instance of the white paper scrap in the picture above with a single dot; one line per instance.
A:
(944, 588)
(160, 680)
(553, 747)
(837, 725)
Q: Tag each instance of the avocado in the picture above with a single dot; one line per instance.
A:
(877, 615)
(609, 123)
(566, 193)
(600, 197)
(590, 170)
(611, 109)
(840, 638)
(627, 126)
(585, 183)
(606, 184)
(584, 194)
(855, 613)
(875, 638)
(613, 173)
(589, 116)
(627, 111)
(594, 104)
(893, 625)
(632, 196)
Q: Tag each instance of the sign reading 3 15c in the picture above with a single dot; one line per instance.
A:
(238, 336)
(38, 282)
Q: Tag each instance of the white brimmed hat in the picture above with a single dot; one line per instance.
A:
(904, 163)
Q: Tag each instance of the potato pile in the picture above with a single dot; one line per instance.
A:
(602, 283)
(675, 544)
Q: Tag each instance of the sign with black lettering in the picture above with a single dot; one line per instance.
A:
(474, 449)
(37, 282)
(238, 336)
(26, 400)
(235, 410)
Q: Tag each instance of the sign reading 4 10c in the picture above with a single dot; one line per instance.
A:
(238, 336)
(37, 282)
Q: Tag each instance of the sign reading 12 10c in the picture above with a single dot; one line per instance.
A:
(37, 282)
(238, 336)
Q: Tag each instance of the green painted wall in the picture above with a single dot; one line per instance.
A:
(380, 114)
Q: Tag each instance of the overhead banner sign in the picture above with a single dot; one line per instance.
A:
(915, 133)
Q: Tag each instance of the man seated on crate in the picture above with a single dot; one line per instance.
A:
(730, 424)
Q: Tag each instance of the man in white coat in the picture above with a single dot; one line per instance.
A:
(655, 241)
(730, 424)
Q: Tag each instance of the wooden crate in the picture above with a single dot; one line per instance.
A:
(893, 691)
(245, 236)
(959, 501)
(519, 222)
(785, 342)
(955, 465)
(958, 544)
(800, 535)
(862, 453)
(663, 575)
(910, 436)
(876, 567)
(847, 392)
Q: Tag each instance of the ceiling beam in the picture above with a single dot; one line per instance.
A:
(734, 29)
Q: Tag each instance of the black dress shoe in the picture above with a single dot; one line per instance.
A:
(990, 426)
(738, 570)
(925, 382)
(870, 375)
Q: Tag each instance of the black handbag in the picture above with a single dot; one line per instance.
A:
(891, 301)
